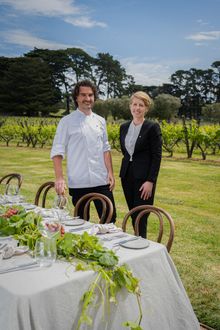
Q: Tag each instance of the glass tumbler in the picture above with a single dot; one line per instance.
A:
(45, 251)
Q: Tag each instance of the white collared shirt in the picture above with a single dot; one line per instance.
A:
(131, 138)
(83, 139)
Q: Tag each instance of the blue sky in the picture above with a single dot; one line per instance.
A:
(151, 39)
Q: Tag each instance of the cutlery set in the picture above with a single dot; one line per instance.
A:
(28, 265)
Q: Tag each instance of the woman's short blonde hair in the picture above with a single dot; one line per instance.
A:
(144, 97)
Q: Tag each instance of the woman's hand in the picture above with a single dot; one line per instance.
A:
(146, 190)
(111, 181)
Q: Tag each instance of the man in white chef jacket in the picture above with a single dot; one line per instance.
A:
(82, 137)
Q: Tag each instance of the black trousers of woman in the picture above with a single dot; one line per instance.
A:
(77, 193)
(131, 187)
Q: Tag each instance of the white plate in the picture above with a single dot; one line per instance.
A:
(140, 243)
(74, 222)
(29, 206)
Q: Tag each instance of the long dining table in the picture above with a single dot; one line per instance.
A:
(49, 298)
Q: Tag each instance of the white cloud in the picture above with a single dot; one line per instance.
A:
(201, 36)
(201, 22)
(84, 22)
(26, 39)
(65, 9)
(155, 72)
(146, 73)
(44, 7)
(200, 44)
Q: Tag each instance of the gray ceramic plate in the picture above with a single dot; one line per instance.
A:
(74, 222)
(140, 243)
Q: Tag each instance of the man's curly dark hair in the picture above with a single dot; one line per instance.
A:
(83, 83)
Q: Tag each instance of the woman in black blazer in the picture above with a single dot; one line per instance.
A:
(141, 145)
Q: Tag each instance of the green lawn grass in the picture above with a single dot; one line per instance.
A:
(188, 190)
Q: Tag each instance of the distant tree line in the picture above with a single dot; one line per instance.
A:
(36, 83)
(40, 83)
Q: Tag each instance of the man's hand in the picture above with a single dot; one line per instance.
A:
(146, 190)
(60, 186)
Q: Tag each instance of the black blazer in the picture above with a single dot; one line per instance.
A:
(147, 152)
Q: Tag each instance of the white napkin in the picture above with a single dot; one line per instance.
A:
(45, 213)
(104, 229)
(10, 250)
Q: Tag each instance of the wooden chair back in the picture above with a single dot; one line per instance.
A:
(11, 177)
(41, 194)
(88, 198)
(161, 215)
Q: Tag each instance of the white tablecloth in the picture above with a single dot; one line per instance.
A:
(48, 298)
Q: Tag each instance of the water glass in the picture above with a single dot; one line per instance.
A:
(12, 189)
(2, 193)
(12, 193)
(45, 251)
(49, 227)
(61, 214)
(2, 189)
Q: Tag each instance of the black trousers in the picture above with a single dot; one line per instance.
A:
(131, 187)
(77, 193)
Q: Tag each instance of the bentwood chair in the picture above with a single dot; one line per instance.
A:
(85, 201)
(10, 178)
(160, 214)
(42, 198)
(42, 193)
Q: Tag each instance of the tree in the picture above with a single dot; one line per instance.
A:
(216, 79)
(165, 107)
(59, 65)
(195, 88)
(27, 88)
(119, 107)
(211, 112)
(101, 109)
(81, 64)
(110, 77)
(74, 64)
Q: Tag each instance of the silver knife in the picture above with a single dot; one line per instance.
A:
(20, 267)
